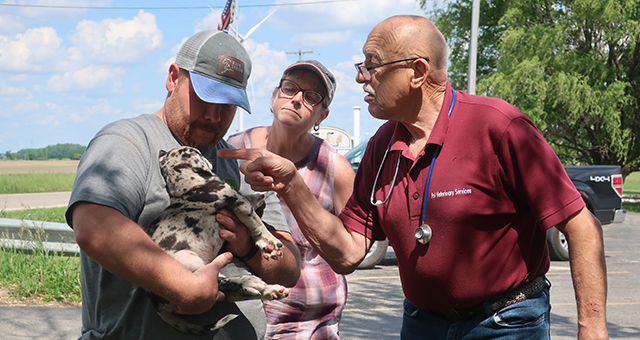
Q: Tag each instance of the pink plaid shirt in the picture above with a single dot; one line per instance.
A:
(314, 306)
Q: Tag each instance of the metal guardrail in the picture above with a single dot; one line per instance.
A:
(27, 235)
(58, 237)
(631, 199)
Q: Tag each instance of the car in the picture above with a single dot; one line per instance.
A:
(599, 185)
(378, 249)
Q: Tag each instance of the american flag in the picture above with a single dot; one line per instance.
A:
(227, 16)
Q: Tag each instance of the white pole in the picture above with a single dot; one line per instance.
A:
(473, 46)
(239, 111)
(356, 125)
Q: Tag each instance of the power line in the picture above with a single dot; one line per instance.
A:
(171, 8)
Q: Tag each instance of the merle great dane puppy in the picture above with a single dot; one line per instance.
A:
(188, 230)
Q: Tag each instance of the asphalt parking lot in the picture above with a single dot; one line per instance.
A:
(373, 309)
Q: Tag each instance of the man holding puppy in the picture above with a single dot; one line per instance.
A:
(119, 190)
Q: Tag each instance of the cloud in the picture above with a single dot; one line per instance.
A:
(267, 66)
(11, 91)
(25, 106)
(34, 51)
(321, 39)
(19, 77)
(146, 105)
(8, 23)
(85, 110)
(340, 15)
(117, 41)
(59, 13)
(91, 77)
(45, 120)
(209, 22)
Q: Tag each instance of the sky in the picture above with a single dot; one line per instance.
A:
(69, 67)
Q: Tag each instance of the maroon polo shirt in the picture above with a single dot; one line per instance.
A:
(496, 187)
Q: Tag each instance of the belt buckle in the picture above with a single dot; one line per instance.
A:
(521, 293)
(518, 298)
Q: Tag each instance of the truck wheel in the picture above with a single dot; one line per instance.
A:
(375, 255)
(558, 246)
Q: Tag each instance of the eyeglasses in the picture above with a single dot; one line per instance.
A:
(366, 70)
(289, 89)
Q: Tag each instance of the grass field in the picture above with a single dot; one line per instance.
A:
(45, 215)
(24, 177)
(35, 183)
(40, 275)
(632, 184)
(37, 167)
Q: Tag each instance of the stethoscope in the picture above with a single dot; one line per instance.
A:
(423, 233)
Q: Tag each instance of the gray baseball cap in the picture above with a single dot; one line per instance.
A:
(319, 69)
(219, 67)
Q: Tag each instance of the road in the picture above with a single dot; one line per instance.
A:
(30, 201)
(373, 309)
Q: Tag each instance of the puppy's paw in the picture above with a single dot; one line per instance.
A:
(250, 287)
(275, 292)
(190, 259)
(269, 245)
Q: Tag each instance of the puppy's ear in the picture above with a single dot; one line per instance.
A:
(162, 153)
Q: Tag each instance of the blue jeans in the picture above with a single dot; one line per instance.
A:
(526, 320)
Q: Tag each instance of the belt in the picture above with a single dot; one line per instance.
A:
(521, 293)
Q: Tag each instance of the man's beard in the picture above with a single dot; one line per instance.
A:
(202, 144)
(178, 122)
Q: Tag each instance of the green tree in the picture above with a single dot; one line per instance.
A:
(572, 66)
(73, 151)
(454, 21)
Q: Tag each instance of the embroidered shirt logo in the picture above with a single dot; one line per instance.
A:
(450, 193)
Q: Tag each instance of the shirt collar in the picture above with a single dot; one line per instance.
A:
(401, 135)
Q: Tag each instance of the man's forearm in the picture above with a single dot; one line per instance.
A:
(342, 248)
(123, 248)
(589, 273)
(284, 270)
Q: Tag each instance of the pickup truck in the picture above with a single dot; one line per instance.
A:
(601, 190)
(599, 185)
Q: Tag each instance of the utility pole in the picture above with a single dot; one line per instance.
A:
(300, 53)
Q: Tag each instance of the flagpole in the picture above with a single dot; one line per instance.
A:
(240, 113)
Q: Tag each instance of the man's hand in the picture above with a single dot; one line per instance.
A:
(340, 246)
(123, 248)
(208, 278)
(235, 233)
(263, 170)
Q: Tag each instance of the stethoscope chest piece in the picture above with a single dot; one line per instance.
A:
(423, 233)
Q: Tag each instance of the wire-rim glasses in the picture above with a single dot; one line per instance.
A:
(366, 70)
(289, 89)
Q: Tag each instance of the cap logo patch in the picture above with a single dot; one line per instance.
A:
(231, 67)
